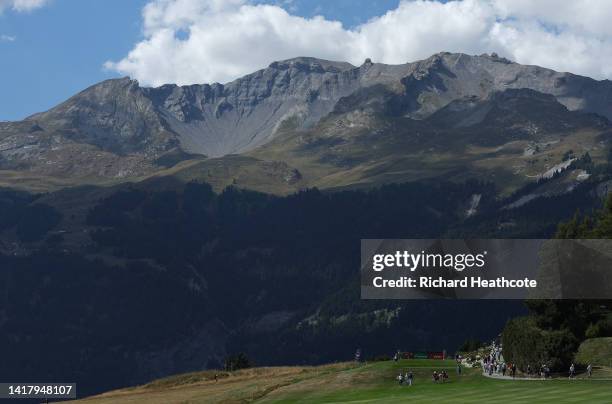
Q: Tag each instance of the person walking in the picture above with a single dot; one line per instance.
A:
(572, 371)
(410, 378)
(589, 370)
(513, 370)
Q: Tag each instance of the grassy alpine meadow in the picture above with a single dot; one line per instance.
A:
(365, 383)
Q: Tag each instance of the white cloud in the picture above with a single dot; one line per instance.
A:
(21, 5)
(196, 41)
(7, 38)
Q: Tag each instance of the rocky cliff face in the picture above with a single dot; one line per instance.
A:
(217, 120)
(222, 119)
(118, 129)
(109, 130)
(445, 77)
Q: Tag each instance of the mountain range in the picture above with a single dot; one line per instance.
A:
(311, 122)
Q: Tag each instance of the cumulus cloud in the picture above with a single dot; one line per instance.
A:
(196, 41)
(21, 5)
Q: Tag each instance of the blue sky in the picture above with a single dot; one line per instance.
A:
(349, 12)
(51, 49)
(60, 49)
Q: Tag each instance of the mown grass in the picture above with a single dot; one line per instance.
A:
(347, 382)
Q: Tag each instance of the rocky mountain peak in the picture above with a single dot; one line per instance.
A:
(311, 65)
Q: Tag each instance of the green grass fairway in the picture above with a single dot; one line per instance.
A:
(371, 383)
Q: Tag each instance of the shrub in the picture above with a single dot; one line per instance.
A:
(593, 331)
(596, 351)
(527, 344)
(559, 348)
(523, 342)
(602, 328)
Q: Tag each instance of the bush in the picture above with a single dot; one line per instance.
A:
(559, 348)
(602, 328)
(526, 344)
(593, 331)
(596, 351)
(522, 342)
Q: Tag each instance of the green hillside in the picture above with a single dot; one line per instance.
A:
(346, 382)
(597, 351)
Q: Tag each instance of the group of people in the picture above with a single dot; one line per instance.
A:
(543, 372)
(500, 368)
(406, 378)
(439, 376)
(572, 371)
(494, 363)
